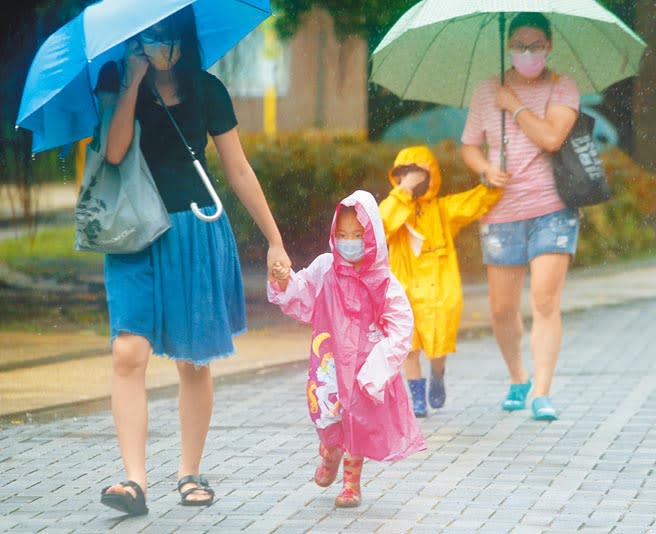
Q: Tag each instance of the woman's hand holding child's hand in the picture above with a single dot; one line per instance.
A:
(280, 274)
(277, 254)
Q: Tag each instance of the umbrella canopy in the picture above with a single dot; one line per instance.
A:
(58, 104)
(440, 50)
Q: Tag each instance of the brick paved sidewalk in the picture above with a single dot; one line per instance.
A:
(484, 470)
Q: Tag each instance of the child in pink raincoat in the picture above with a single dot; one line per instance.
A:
(361, 333)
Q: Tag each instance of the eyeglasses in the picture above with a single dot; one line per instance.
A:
(150, 37)
(533, 48)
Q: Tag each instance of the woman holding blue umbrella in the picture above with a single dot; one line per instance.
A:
(182, 297)
(530, 226)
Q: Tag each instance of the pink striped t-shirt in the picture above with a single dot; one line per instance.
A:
(531, 191)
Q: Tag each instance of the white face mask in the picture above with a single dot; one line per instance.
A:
(352, 250)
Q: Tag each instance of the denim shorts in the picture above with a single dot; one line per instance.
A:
(518, 242)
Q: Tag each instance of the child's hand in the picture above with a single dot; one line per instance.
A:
(412, 179)
(280, 274)
(279, 271)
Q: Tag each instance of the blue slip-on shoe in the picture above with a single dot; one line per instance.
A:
(516, 398)
(436, 391)
(418, 393)
(543, 409)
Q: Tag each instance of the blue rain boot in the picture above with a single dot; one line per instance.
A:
(436, 391)
(418, 391)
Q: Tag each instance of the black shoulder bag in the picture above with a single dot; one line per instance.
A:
(578, 170)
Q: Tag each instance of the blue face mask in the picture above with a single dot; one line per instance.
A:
(350, 249)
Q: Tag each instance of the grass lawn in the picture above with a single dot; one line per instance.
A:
(67, 292)
(47, 252)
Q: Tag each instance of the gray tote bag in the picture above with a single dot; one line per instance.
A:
(119, 210)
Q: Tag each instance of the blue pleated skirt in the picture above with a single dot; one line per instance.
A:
(184, 293)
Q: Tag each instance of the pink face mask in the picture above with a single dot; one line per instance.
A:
(529, 65)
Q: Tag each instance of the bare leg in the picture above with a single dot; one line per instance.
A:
(548, 274)
(505, 290)
(196, 399)
(129, 406)
(411, 366)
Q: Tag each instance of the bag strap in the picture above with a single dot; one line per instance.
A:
(197, 165)
(175, 124)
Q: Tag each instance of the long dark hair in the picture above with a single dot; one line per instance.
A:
(182, 25)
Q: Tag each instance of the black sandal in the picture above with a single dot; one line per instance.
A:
(202, 486)
(126, 503)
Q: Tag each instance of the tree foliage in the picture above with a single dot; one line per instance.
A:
(369, 19)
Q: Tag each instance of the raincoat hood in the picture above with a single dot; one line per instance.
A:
(424, 158)
(373, 271)
(375, 246)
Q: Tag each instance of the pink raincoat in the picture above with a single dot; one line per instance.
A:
(362, 332)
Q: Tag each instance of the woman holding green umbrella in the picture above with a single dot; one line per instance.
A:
(465, 40)
(530, 226)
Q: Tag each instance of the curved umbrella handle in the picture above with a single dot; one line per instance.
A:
(211, 191)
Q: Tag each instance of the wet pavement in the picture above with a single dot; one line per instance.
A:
(484, 471)
(55, 370)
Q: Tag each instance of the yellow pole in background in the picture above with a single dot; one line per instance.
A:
(80, 154)
(269, 101)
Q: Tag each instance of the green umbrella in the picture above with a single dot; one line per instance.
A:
(440, 50)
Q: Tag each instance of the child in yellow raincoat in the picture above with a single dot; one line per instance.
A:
(420, 228)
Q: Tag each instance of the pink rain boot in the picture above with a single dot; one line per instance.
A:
(326, 473)
(350, 495)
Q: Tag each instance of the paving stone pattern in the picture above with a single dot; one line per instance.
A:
(594, 470)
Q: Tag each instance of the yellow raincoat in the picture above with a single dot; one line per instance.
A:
(420, 235)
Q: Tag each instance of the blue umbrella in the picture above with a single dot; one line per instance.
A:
(58, 104)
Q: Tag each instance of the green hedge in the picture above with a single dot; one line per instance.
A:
(625, 226)
(304, 176)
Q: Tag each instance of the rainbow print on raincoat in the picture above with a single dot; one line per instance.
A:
(420, 234)
(361, 332)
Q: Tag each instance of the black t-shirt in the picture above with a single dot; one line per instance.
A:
(210, 111)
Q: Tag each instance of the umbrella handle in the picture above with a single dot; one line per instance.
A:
(211, 191)
(502, 58)
(504, 141)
